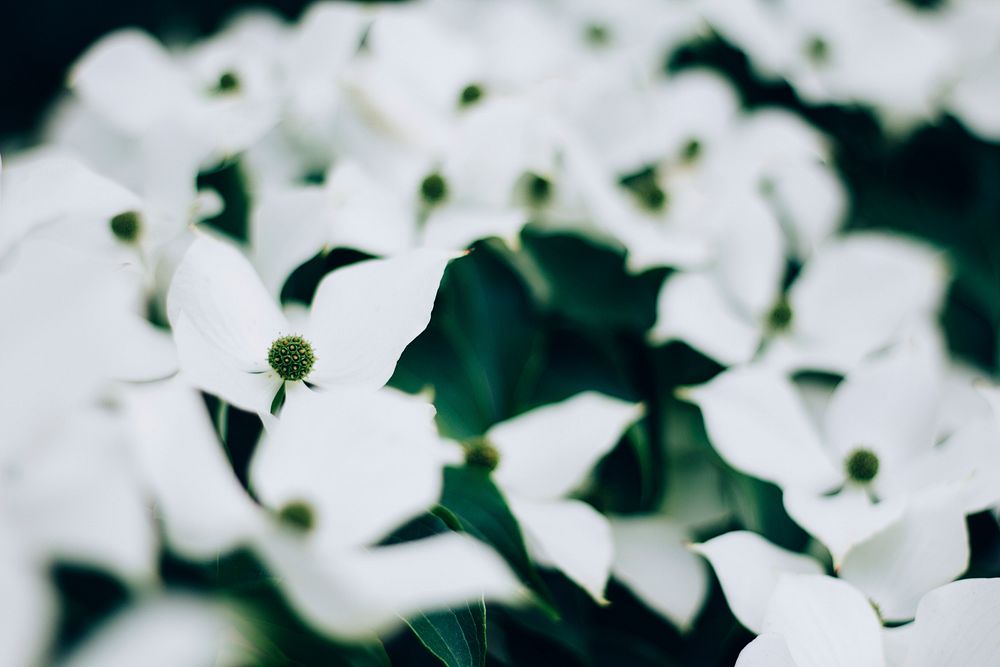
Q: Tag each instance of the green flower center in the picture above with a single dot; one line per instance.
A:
(780, 317)
(597, 34)
(691, 151)
(127, 226)
(298, 514)
(818, 50)
(470, 95)
(434, 188)
(292, 357)
(862, 465)
(646, 188)
(479, 453)
(539, 189)
(228, 83)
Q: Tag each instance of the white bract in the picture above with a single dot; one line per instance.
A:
(234, 342)
(543, 456)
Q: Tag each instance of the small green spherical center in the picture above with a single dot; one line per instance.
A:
(298, 514)
(228, 82)
(780, 317)
(597, 34)
(127, 226)
(539, 189)
(434, 188)
(862, 465)
(645, 185)
(479, 453)
(818, 50)
(470, 95)
(291, 357)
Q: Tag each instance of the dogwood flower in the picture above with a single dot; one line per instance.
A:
(861, 482)
(814, 620)
(234, 342)
(537, 459)
(855, 295)
(334, 477)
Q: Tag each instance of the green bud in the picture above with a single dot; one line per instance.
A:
(479, 453)
(818, 50)
(597, 34)
(292, 357)
(780, 317)
(127, 226)
(539, 189)
(434, 189)
(228, 83)
(470, 95)
(862, 465)
(298, 514)
(691, 151)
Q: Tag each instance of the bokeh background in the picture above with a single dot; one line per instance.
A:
(939, 183)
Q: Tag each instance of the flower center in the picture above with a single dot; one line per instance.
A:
(228, 83)
(644, 185)
(126, 226)
(298, 514)
(479, 453)
(597, 34)
(862, 465)
(434, 188)
(780, 317)
(470, 95)
(539, 189)
(690, 151)
(818, 50)
(292, 357)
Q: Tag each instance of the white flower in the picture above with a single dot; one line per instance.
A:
(855, 295)
(335, 475)
(234, 342)
(891, 488)
(28, 604)
(815, 621)
(542, 456)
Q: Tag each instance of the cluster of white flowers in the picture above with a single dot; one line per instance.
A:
(408, 133)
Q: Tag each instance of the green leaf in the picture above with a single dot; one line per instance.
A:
(457, 637)
(471, 497)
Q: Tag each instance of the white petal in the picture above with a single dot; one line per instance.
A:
(767, 650)
(812, 200)
(889, 405)
(79, 498)
(653, 560)
(204, 510)
(968, 461)
(751, 260)
(547, 452)
(219, 293)
(131, 80)
(166, 632)
(692, 308)
(860, 290)
(364, 315)
(354, 594)
(457, 227)
(927, 547)
(748, 568)
(958, 625)
(207, 367)
(366, 214)
(842, 520)
(365, 462)
(27, 605)
(759, 425)
(896, 643)
(825, 622)
(288, 227)
(570, 536)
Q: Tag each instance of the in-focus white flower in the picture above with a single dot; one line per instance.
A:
(854, 296)
(538, 459)
(338, 473)
(234, 342)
